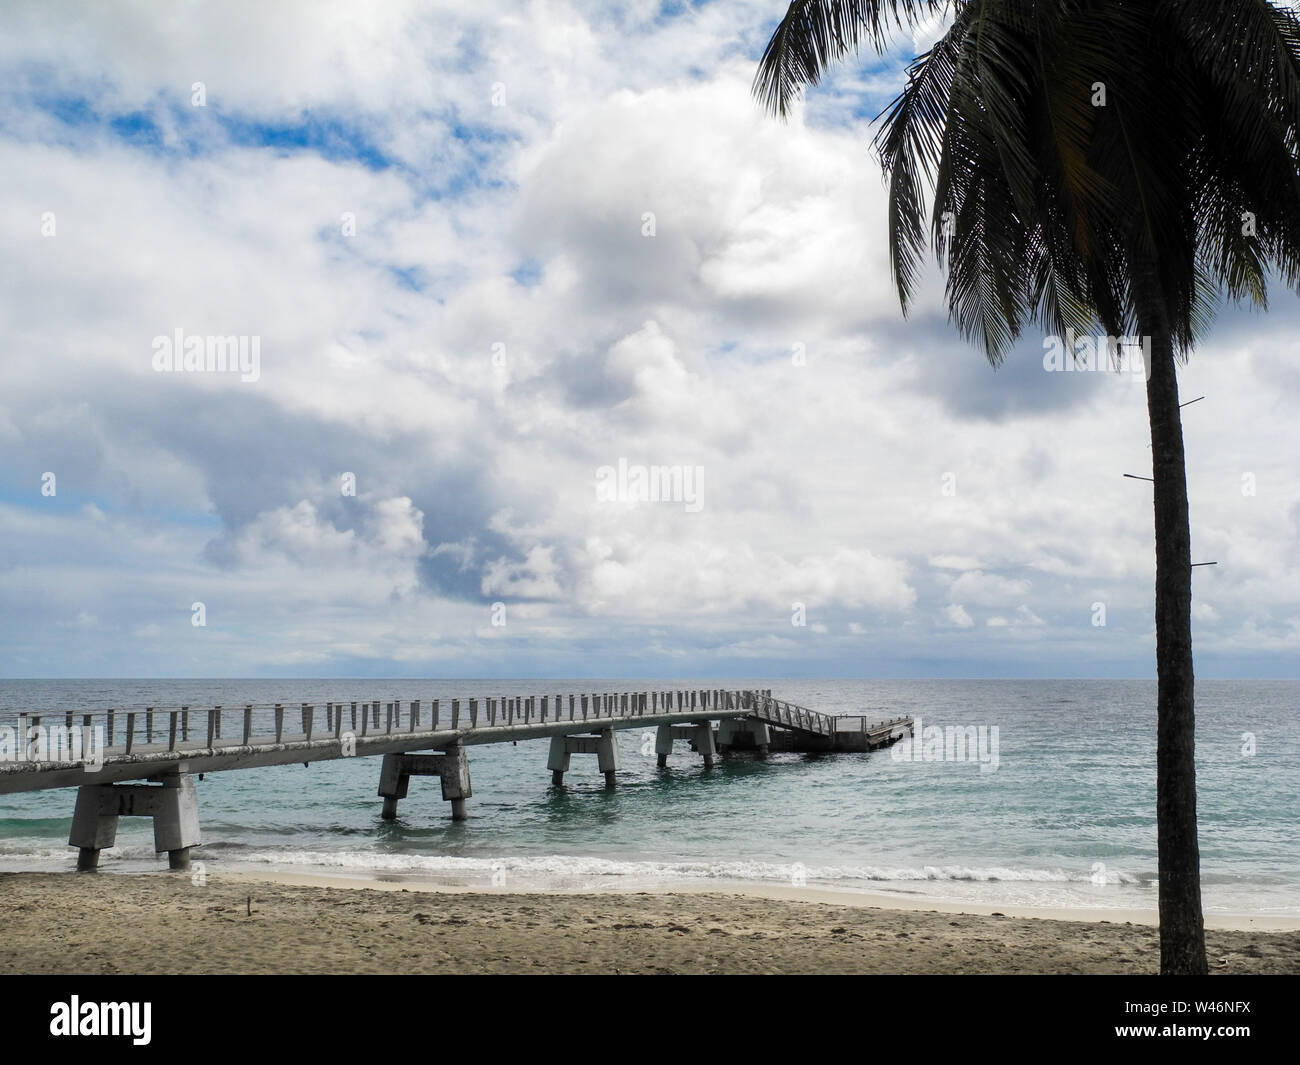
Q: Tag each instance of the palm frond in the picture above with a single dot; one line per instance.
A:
(814, 34)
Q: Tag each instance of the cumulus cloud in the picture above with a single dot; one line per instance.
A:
(487, 252)
(987, 589)
(956, 613)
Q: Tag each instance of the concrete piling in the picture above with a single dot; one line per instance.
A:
(451, 767)
(173, 804)
(603, 745)
(699, 733)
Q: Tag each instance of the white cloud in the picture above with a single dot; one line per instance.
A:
(987, 589)
(956, 613)
(522, 226)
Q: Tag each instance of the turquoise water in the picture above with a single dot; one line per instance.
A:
(1066, 818)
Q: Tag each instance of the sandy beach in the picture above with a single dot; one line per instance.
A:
(64, 923)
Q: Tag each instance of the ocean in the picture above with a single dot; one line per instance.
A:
(1063, 817)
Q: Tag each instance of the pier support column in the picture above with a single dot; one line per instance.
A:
(393, 784)
(603, 745)
(455, 781)
(557, 759)
(173, 804)
(663, 744)
(451, 767)
(607, 757)
(699, 734)
(703, 740)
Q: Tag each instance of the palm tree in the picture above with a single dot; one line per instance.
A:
(1119, 164)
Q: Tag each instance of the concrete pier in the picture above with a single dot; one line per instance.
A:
(168, 748)
(602, 745)
(173, 804)
(451, 767)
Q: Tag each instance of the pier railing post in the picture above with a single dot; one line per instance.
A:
(248, 723)
(171, 731)
(455, 713)
(130, 730)
(279, 722)
(415, 714)
(185, 723)
(473, 713)
(434, 711)
(212, 725)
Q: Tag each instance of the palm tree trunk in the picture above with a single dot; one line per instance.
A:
(1182, 926)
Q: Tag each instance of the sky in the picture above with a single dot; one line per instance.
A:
(496, 261)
